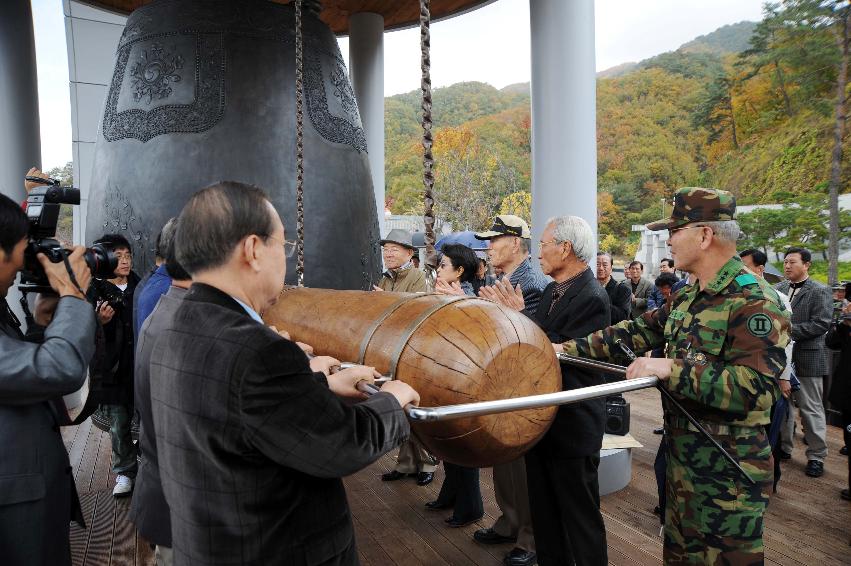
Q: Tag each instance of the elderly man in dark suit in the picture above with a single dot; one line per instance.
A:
(149, 510)
(253, 440)
(812, 312)
(37, 494)
(561, 469)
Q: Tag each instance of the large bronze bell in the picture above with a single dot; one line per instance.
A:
(205, 91)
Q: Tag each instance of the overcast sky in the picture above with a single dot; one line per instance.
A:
(489, 45)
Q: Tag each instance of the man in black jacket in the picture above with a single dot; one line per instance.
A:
(620, 295)
(253, 441)
(149, 510)
(839, 338)
(562, 468)
(113, 361)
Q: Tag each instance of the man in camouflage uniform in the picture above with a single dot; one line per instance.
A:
(724, 338)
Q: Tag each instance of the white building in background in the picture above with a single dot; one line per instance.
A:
(653, 246)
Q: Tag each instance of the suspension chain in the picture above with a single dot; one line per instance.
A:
(428, 159)
(299, 144)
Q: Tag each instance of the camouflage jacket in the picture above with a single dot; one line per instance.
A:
(727, 342)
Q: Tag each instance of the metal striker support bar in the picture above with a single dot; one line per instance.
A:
(448, 412)
(429, 414)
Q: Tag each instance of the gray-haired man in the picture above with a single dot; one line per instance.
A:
(508, 248)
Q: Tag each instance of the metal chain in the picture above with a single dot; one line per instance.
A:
(299, 144)
(428, 160)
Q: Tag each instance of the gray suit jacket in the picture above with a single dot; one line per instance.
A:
(149, 510)
(37, 494)
(642, 293)
(812, 312)
(252, 445)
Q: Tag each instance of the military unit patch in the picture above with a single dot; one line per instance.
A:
(760, 325)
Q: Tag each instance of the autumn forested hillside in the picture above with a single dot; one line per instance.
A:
(748, 108)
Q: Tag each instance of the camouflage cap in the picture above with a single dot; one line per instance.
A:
(696, 204)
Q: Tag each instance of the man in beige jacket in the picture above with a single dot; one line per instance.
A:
(401, 276)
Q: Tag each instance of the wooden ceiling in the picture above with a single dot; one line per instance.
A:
(397, 13)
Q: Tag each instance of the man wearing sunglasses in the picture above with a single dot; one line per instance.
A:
(725, 339)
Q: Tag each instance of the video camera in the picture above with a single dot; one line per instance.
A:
(43, 204)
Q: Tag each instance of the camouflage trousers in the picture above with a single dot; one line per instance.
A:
(713, 515)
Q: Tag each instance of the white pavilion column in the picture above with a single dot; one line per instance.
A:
(564, 109)
(366, 67)
(20, 145)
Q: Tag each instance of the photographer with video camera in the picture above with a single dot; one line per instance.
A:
(112, 367)
(37, 494)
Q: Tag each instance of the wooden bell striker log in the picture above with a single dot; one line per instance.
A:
(450, 349)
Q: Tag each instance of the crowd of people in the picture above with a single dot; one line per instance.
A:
(245, 435)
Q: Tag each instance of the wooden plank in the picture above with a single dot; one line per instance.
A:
(102, 476)
(123, 535)
(79, 535)
(395, 540)
(101, 531)
(406, 500)
(409, 503)
(81, 435)
(369, 551)
(636, 556)
(88, 460)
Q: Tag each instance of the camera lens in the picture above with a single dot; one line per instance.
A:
(101, 261)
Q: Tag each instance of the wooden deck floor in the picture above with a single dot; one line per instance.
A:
(806, 522)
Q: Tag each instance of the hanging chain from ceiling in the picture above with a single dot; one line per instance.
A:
(428, 159)
(299, 143)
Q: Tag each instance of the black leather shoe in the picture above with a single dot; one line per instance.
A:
(490, 536)
(394, 475)
(424, 478)
(785, 455)
(845, 494)
(455, 523)
(660, 430)
(519, 557)
(843, 451)
(815, 469)
(437, 505)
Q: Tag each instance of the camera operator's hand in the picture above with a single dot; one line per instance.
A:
(34, 172)
(59, 278)
(105, 312)
(45, 307)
